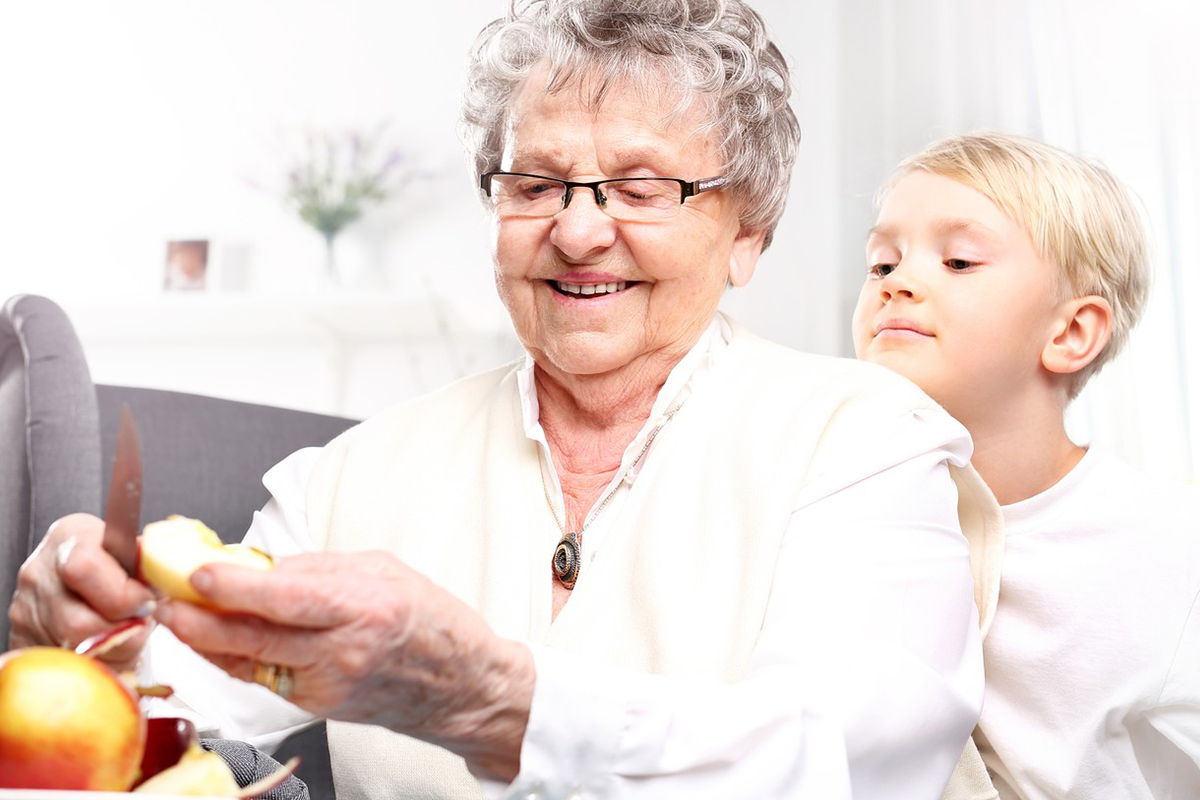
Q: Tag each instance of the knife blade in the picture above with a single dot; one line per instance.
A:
(122, 514)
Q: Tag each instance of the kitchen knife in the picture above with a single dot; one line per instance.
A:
(122, 515)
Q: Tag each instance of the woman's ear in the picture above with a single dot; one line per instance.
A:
(743, 258)
(1081, 331)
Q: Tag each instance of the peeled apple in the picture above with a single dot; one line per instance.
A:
(171, 550)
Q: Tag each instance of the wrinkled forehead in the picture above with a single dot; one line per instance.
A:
(648, 113)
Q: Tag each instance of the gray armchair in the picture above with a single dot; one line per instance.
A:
(202, 457)
(49, 430)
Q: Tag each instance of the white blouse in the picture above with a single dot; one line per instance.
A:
(876, 575)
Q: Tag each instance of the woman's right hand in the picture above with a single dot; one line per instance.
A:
(70, 588)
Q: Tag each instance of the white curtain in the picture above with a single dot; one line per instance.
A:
(1120, 81)
(1113, 81)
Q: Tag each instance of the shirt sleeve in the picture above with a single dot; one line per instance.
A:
(865, 682)
(1176, 715)
(219, 705)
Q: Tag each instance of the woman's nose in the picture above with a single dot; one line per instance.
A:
(582, 227)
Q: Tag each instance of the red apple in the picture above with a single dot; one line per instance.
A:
(167, 739)
(171, 550)
(66, 722)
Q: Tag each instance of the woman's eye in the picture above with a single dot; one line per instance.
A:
(882, 270)
(958, 264)
(536, 189)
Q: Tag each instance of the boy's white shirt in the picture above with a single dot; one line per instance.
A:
(1093, 657)
(918, 488)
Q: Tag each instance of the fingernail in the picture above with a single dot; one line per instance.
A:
(202, 581)
(164, 613)
(146, 609)
(63, 554)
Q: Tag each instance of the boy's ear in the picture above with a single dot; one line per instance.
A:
(1081, 330)
(743, 258)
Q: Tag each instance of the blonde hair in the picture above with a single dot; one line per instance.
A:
(1077, 214)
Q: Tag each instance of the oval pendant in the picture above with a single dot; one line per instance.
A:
(566, 560)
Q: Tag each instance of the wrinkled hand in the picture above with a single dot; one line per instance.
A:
(70, 589)
(369, 640)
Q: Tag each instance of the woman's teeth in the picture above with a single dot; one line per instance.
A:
(585, 290)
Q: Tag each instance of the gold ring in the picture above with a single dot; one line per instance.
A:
(276, 678)
(284, 682)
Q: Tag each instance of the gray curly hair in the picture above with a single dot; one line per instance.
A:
(715, 51)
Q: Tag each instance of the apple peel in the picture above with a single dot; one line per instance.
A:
(264, 785)
(107, 641)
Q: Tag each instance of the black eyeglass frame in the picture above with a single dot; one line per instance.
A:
(686, 188)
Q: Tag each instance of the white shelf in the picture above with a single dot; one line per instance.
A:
(344, 316)
(347, 353)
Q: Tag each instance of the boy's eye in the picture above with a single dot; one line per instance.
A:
(881, 270)
(958, 264)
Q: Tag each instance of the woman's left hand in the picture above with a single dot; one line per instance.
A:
(370, 640)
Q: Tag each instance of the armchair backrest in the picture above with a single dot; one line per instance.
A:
(49, 432)
(204, 457)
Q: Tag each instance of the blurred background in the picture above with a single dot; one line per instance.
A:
(157, 163)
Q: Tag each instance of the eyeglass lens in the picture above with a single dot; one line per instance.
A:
(632, 199)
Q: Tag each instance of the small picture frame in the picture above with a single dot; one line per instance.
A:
(186, 267)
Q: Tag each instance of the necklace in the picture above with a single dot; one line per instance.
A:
(566, 559)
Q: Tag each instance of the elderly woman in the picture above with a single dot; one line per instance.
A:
(658, 557)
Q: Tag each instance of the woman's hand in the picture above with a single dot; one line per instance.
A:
(368, 639)
(70, 589)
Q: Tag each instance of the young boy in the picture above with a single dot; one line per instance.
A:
(1003, 273)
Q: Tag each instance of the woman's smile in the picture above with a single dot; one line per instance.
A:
(574, 291)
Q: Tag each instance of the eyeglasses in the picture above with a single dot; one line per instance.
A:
(633, 199)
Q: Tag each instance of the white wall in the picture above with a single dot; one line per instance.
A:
(793, 297)
(132, 122)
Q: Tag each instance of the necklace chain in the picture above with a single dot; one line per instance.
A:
(568, 554)
(595, 512)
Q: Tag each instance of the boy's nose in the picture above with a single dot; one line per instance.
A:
(901, 282)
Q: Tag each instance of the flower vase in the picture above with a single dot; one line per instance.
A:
(331, 269)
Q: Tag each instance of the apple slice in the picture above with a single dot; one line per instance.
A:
(198, 772)
(171, 550)
(203, 772)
